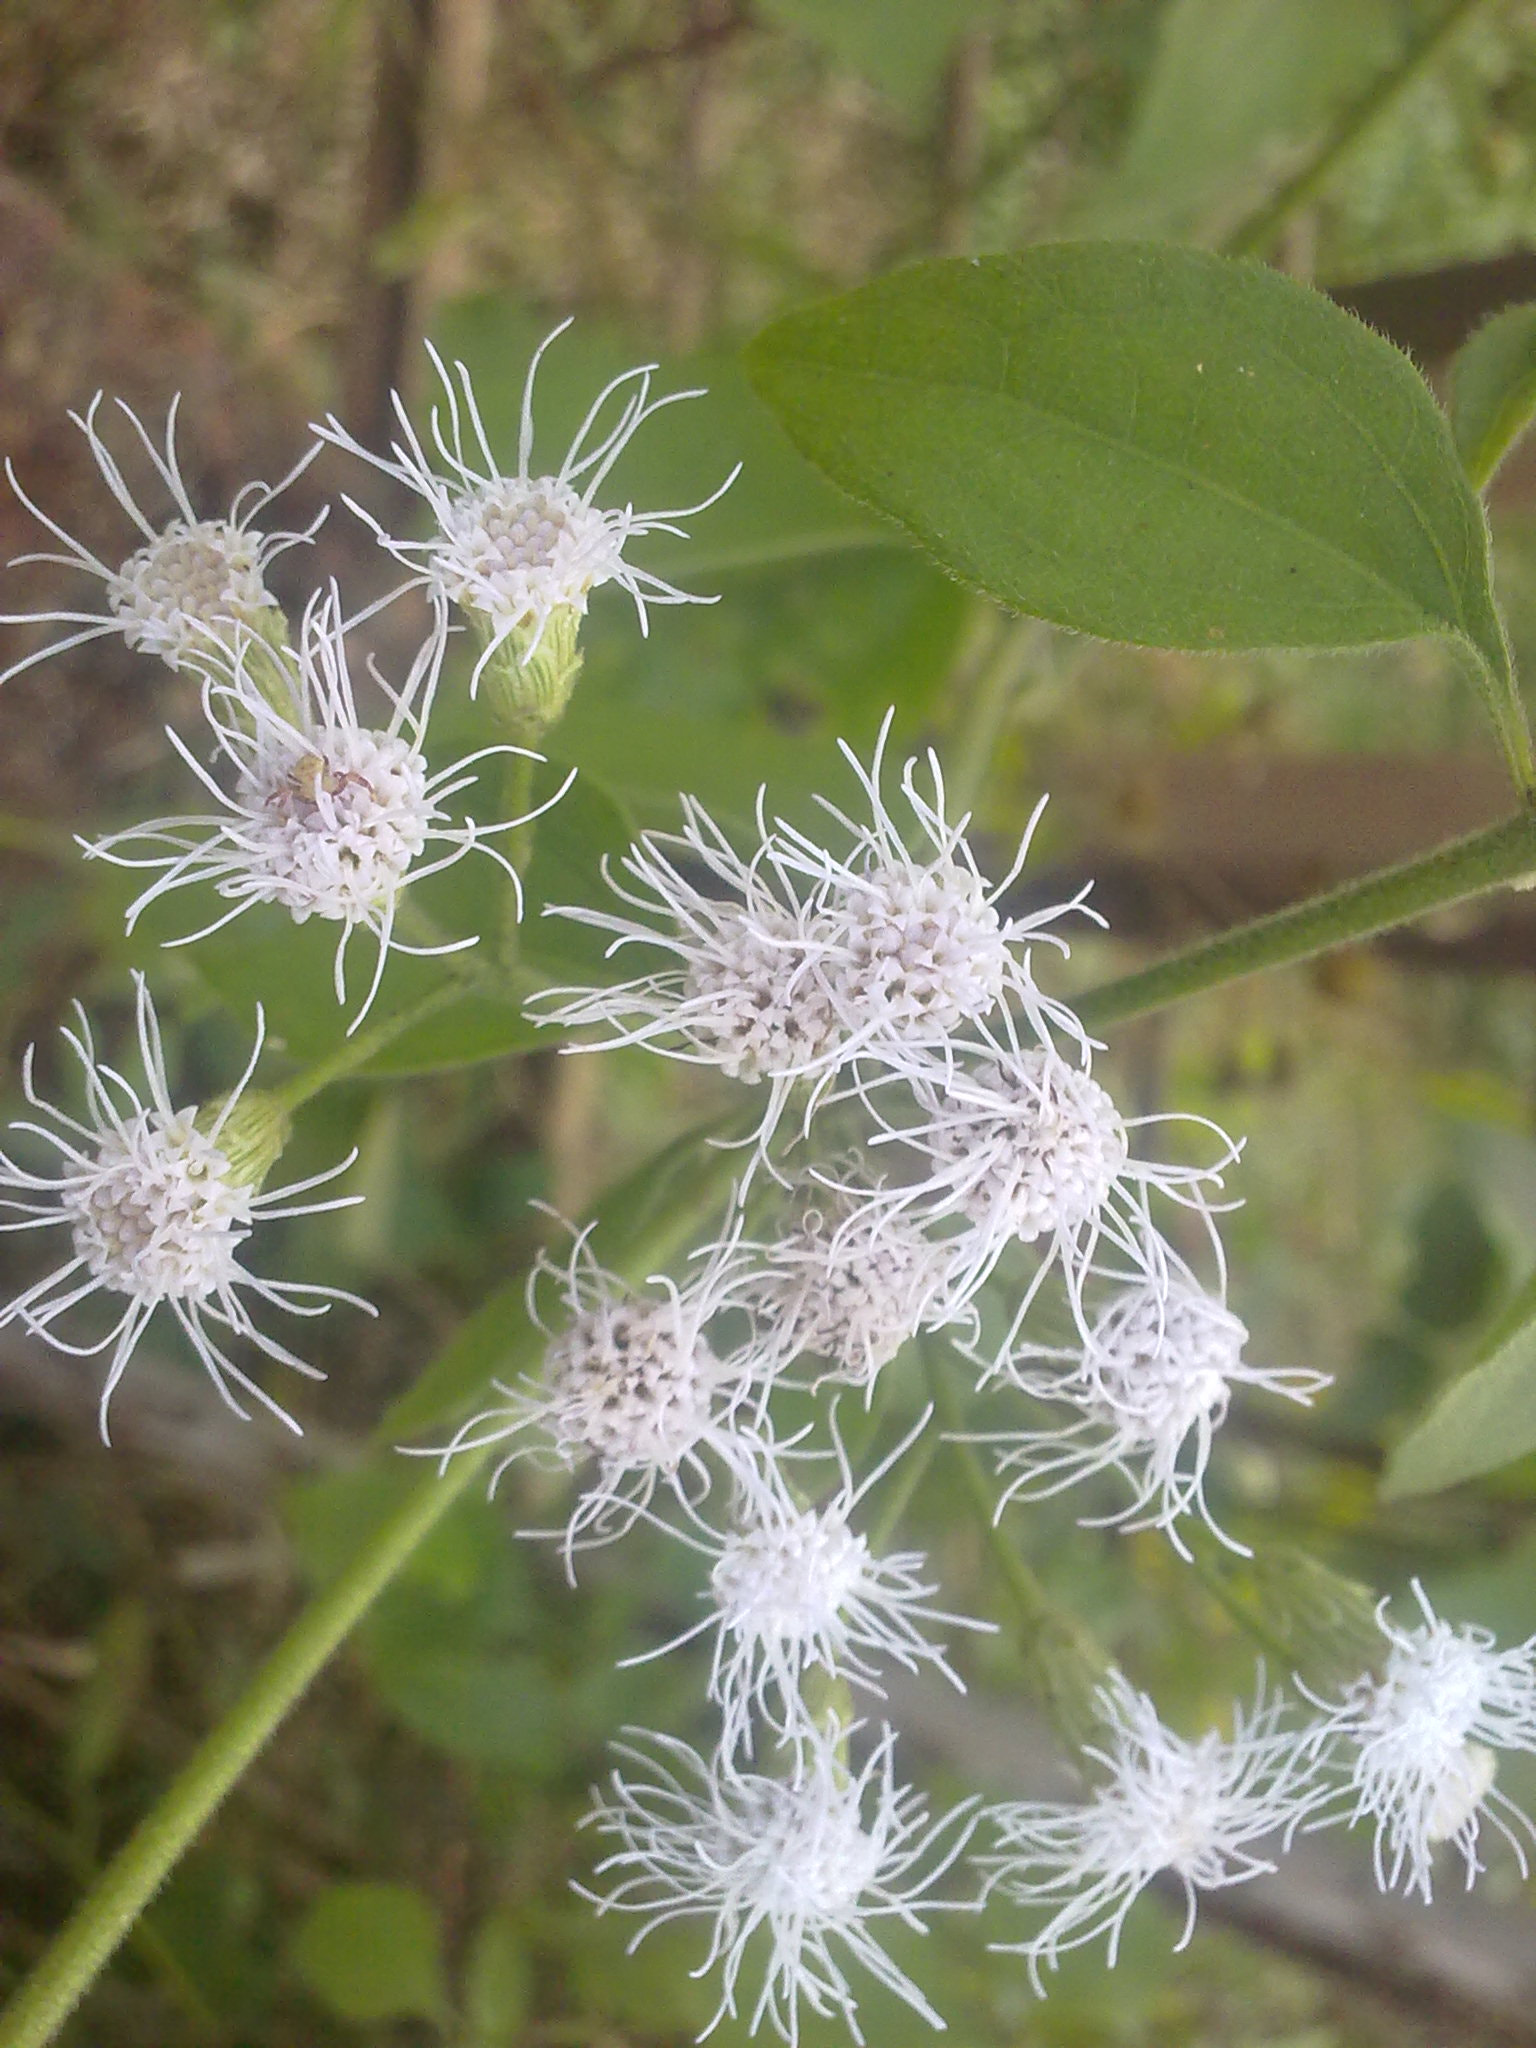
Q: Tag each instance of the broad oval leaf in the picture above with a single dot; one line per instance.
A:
(1146, 443)
(1485, 1420)
(373, 1952)
(1493, 390)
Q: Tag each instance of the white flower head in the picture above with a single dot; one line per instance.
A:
(1150, 1388)
(794, 1588)
(735, 983)
(848, 1280)
(917, 947)
(1190, 1808)
(324, 816)
(512, 550)
(1019, 1146)
(1418, 1742)
(630, 1385)
(157, 1214)
(815, 1859)
(193, 585)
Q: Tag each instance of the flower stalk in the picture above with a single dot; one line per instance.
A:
(111, 1907)
(1494, 857)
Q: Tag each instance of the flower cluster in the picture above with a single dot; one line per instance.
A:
(321, 801)
(1409, 1746)
(937, 1166)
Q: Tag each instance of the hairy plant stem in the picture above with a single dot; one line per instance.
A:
(992, 675)
(1066, 1664)
(110, 1908)
(1355, 910)
(356, 1051)
(1251, 236)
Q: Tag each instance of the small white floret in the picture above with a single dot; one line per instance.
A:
(631, 1392)
(1418, 1742)
(510, 550)
(1193, 1809)
(193, 586)
(156, 1216)
(814, 1858)
(794, 1588)
(732, 981)
(324, 816)
(1020, 1146)
(917, 946)
(848, 1281)
(1149, 1390)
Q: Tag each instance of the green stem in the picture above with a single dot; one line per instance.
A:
(1066, 1664)
(356, 1051)
(991, 687)
(108, 1911)
(156, 1952)
(1355, 910)
(1253, 235)
(516, 801)
(898, 1499)
(112, 1905)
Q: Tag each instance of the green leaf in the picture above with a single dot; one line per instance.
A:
(1456, 1266)
(902, 46)
(287, 968)
(1148, 444)
(1485, 1420)
(372, 1952)
(1493, 391)
(1235, 87)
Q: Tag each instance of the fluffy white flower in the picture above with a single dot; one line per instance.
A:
(324, 816)
(1192, 1809)
(1150, 1388)
(157, 1213)
(790, 964)
(511, 550)
(1418, 1744)
(916, 947)
(814, 1859)
(736, 986)
(794, 1588)
(630, 1385)
(192, 586)
(1019, 1146)
(848, 1280)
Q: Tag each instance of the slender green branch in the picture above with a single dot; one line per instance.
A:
(157, 1953)
(994, 674)
(356, 1051)
(914, 1469)
(110, 1908)
(112, 1905)
(1066, 1663)
(1253, 235)
(1355, 910)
